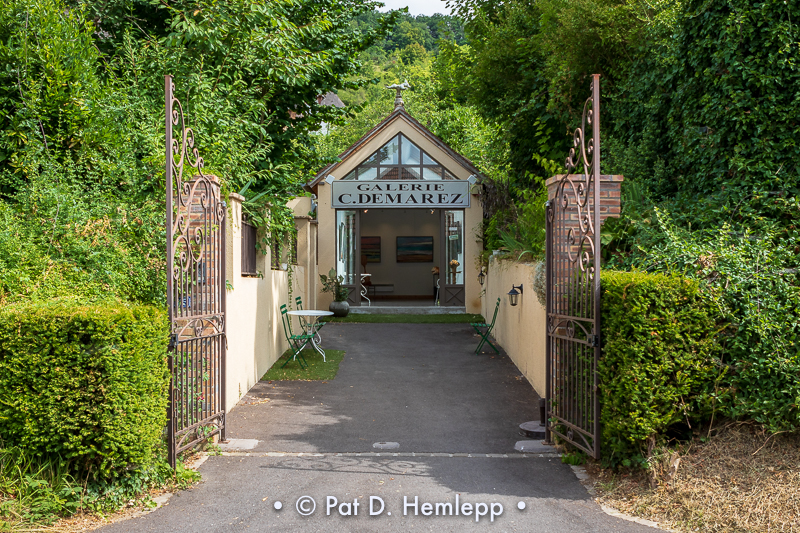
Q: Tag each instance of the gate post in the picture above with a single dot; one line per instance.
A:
(548, 437)
(595, 147)
(171, 455)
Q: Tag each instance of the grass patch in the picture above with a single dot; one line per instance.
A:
(463, 318)
(317, 370)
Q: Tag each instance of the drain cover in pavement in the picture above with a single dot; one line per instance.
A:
(386, 445)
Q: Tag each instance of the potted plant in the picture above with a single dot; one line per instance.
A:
(333, 284)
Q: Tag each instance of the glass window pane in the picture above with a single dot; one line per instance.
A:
(410, 173)
(388, 154)
(389, 173)
(346, 245)
(454, 247)
(426, 160)
(429, 173)
(368, 173)
(449, 176)
(411, 154)
(350, 176)
(371, 160)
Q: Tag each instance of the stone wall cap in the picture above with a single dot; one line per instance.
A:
(236, 196)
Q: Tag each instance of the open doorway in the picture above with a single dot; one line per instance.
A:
(400, 252)
(402, 257)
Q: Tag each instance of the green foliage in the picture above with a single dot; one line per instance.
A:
(716, 100)
(86, 382)
(525, 231)
(36, 491)
(502, 74)
(662, 357)
(574, 457)
(755, 282)
(61, 240)
(334, 284)
(81, 123)
(700, 108)
(427, 31)
(460, 126)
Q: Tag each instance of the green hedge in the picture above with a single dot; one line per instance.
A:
(88, 382)
(661, 360)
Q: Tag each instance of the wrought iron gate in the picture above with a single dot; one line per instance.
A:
(195, 288)
(573, 290)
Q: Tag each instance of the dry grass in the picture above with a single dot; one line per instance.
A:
(741, 480)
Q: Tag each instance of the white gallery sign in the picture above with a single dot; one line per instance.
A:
(431, 194)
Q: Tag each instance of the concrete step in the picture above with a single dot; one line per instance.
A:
(532, 430)
(406, 310)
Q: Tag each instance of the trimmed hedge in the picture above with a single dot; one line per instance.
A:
(88, 382)
(661, 360)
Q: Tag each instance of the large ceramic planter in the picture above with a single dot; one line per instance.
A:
(340, 309)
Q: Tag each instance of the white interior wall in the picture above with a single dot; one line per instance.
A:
(409, 279)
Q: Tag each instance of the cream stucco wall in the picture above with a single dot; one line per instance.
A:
(519, 330)
(253, 321)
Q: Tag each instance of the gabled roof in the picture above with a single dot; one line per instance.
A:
(397, 114)
(330, 98)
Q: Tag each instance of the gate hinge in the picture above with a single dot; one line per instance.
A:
(173, 342)
(594, 341)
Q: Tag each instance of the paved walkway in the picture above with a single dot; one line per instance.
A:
(453, 414)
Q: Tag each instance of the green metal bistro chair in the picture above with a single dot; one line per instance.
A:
(296, 342)
(489, 327)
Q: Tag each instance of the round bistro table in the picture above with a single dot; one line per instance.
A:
(310, 317)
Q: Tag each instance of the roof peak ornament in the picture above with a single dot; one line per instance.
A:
(398, 99)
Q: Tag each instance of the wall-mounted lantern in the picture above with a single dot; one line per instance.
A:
(513, 294)
(482, 277)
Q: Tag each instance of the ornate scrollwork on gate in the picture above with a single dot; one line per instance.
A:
(573, 285)
(195, 287)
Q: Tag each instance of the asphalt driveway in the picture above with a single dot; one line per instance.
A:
(454, 416)
(415, 384)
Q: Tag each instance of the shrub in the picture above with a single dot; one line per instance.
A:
(753, 276)
(661, 360)
(87, 382)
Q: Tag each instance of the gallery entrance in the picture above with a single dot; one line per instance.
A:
(401, 257)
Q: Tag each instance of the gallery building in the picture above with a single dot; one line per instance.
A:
(399, 218)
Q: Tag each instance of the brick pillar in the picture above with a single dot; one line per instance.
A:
(609, 192)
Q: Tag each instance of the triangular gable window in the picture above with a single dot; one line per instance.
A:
(399, 159)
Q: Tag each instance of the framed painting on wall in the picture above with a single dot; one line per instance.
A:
(415, 249)
(371, 249)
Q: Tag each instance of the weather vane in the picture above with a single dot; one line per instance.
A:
(398, 99)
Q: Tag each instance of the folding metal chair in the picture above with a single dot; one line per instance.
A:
(296, 342)
(477, 326)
